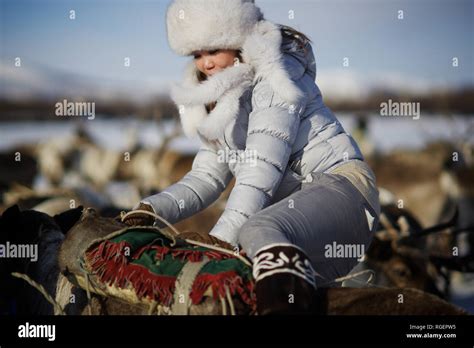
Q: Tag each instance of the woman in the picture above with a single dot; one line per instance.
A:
(302, 186)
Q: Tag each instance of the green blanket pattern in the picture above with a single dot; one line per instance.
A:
(149, 261)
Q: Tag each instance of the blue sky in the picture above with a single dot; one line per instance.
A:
(417, 50)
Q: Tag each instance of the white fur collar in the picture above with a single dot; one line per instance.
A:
(262, 50)
(226, 88)
(262, 60)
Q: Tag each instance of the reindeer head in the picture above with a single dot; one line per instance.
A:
(398, 258)
(36, 230)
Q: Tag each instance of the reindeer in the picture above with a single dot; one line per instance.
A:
(62, 237)
(457, 182)
(400, 254)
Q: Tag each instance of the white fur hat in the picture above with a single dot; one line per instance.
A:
(210, 24)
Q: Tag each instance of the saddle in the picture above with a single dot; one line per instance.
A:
(146, 266)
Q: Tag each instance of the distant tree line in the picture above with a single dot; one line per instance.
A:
(457, 101)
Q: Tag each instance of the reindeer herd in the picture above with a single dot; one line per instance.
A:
(424, 238)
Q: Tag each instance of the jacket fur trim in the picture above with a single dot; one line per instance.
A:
(262, 60)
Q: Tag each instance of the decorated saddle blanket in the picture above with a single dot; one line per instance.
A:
(158, 268)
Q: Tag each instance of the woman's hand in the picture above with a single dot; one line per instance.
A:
(140, 219)
(205, 238)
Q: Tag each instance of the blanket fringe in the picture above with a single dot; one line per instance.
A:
(110, 262)
(219, 282)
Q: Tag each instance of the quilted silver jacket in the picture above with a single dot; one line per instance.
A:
(270, 142)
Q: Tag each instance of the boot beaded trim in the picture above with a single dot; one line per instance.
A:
(282, 258)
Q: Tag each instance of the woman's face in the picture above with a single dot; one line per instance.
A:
(211, 62)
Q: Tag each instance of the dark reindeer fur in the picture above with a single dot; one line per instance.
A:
(30, 226)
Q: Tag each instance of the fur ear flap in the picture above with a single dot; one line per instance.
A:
(262, 50)
(193, 92)
(191, 118)
(226, 87)
(226, 110)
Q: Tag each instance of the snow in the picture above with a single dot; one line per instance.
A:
(387, 133)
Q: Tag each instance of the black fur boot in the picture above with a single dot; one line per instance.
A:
(285, 281)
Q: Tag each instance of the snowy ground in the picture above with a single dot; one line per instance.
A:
(385, 133)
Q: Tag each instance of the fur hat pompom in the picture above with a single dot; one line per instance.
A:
(194, 25)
